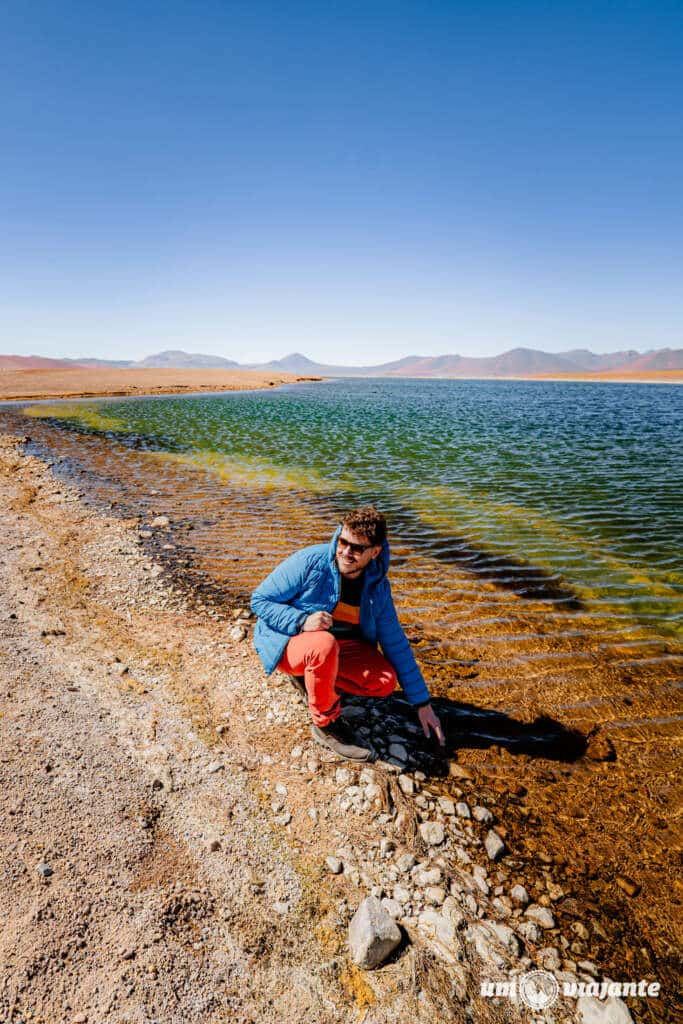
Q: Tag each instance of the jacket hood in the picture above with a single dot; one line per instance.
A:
(375, 571)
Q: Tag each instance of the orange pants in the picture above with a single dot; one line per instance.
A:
(329, 665)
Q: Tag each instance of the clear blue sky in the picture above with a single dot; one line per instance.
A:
(356, 181)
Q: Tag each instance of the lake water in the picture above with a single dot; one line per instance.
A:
(516, 509)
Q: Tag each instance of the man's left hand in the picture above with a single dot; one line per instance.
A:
(428, 720)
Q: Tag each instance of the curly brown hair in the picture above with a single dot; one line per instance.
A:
(368, 521)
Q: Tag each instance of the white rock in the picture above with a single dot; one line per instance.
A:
(494, 845)
(607, 1011)
(343, 776)
(504, 935)
(503, 908)
(479, 875)
(462, 810)
(549, 958)
(435, 894)
(367, 777)
(432, 832)
(406, 784)
(160, 522)
(530, 932)
(393, 908)
(446, 805)
(215, 766)
(485, 946)
(373, 934)
(372, 791)
(401, 894)
(238, 633)
(482, 814)
(452, 910)
(428, 876)
(520, 895)
(540, 915)
(405, 862)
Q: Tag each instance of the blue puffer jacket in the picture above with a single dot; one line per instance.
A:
(309, 581)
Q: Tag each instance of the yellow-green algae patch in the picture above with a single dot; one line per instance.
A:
(523, 524)
(84, 415)
(256, 472)
(526, 531)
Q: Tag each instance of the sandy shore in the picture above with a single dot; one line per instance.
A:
(616, 377)
(90, 383)
(165, 818)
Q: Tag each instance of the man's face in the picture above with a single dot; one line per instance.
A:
(354, 551)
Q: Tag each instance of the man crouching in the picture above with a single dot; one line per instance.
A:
(321, 614)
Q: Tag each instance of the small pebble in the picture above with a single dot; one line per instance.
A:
(494, 845)
(432, 833)
(406, 785)
(520, 895)
(540, 915)
(405, 862)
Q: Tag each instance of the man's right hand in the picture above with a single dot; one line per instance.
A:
(318, 620)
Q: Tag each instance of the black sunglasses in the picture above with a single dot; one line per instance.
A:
(357, 549)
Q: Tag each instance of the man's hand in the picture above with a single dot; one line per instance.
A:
(318, 620)
(428, 720)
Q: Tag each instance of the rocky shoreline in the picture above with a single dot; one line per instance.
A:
(177, 847)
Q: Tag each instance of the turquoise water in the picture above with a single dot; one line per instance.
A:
(580, 482)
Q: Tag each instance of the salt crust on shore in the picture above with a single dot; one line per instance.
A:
(153, 875)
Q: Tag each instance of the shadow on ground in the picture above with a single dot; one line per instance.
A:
(391, 727)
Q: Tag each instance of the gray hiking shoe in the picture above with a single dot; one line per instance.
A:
(298, 684)
(337, 737)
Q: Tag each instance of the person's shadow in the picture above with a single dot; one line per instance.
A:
(391, 727)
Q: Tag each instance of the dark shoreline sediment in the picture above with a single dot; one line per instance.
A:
(533, 797)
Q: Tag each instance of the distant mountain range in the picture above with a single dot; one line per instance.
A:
(518, 362)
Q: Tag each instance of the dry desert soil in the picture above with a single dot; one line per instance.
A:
(89, 383)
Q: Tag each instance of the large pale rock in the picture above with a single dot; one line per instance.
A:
(441, 935)
(603, 1011)
(373, 934)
